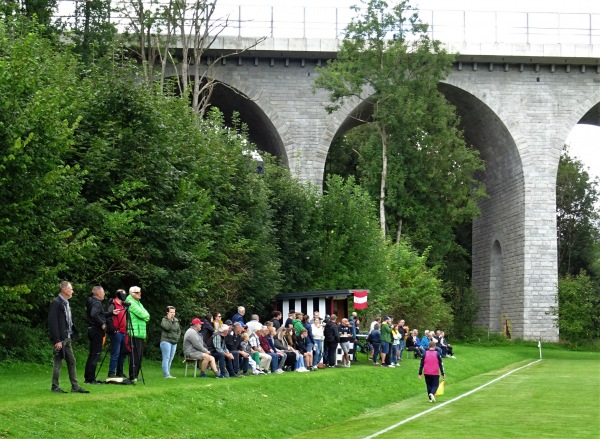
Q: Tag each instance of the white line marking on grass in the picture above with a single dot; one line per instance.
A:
(439, 406)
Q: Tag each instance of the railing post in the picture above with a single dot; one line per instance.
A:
(464, 26)
(272, 22)
(239, 21)
(591, 39)
(304, 22)
(527, 26)
(496, 27)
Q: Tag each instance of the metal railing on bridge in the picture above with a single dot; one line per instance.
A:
(449, 26)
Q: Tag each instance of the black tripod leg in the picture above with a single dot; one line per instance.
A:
(108, 345)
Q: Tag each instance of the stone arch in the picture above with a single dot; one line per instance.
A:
(267, 129)
(497, 268)
(588, 111)
(496, 292)
(339, 122)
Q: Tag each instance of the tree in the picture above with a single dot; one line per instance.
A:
(39, 191)
(353, 250)
(576, 217)
(412, 290)
(578, 308)
(412, 155)
(178, 34)
(298, 222)
(92, 31)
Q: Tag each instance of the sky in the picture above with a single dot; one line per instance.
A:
(584, 140)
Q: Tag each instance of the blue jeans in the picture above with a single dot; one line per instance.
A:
(394, 353)
(118, 353)
(168, 352)
(225, 364)
(317, 355)
(375, 351)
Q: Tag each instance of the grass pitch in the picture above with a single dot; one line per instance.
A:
(558, 397)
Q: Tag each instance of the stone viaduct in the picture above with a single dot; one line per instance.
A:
(517, 103)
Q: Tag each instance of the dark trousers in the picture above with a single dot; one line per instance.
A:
(239, 363)
(224, 363)
(432, 382)
(331, 351)
(135, 357)
(96, 336)
(67, 353)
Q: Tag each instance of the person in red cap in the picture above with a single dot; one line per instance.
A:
(194, 347)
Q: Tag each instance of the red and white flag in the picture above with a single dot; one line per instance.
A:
(360, 299)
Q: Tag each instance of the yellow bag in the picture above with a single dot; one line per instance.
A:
(440, 390)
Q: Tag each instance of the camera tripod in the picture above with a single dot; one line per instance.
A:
(130, 345)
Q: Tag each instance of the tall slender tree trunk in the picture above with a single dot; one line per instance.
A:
(384, 147)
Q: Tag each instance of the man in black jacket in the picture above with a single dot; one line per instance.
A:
(61, 329)
(233, 341)
(96, 317)
(332, 338)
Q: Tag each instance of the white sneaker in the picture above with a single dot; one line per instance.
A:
(391, 365)
(431, 397)
(255, 372)
(279, 371)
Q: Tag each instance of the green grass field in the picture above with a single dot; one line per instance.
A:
(558, 397)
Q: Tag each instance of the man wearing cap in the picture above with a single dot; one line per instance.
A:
(138, 316)
(233, 340)
(194, 347)
(218, 349)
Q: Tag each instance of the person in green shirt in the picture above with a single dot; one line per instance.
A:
(139, 317)
(386, 339)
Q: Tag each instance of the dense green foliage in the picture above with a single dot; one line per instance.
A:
(578, 311)
(579, 308)
(577, 217)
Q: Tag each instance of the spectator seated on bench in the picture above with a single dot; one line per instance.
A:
(413, 343)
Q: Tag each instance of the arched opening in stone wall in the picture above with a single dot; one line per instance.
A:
(584, 141)
(496, 289)
(261, 130)
(495, 269)
(341, 160)
(578, 168)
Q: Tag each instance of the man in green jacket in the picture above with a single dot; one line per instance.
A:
(138, 316)
(386, 339)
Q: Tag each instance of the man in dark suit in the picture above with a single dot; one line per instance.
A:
(61, 329)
